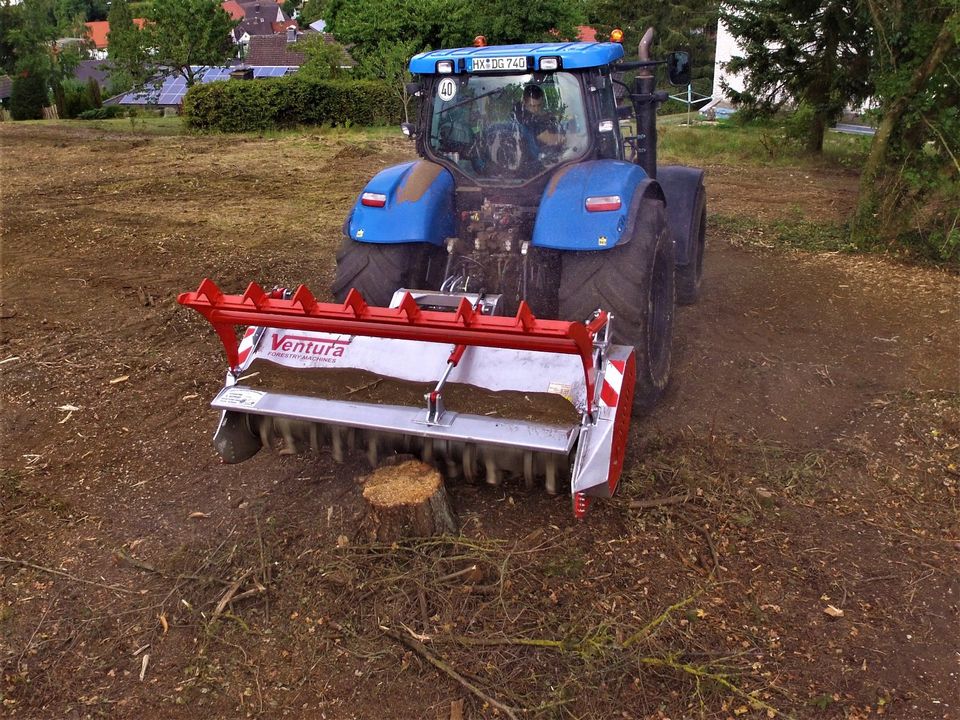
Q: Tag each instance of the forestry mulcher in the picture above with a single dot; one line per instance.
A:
(504, 303)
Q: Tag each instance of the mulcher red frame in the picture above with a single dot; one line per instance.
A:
(464, 327)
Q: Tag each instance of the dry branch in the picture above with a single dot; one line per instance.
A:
(445, 667)
(658, 502)
(61, 573)
(228, 595)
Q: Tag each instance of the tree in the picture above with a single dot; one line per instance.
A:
(390, 63)
(508, 21)
(11, 22)
(28, 97)
(323, 60)
(311, 11)
(125, 47)
(679, 24)
(814, 53)
(911, 179)
(180, 34)
(364, 25)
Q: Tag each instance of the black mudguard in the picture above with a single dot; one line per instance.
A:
(680, 186)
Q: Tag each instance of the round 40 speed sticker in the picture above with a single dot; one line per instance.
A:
(447, 89)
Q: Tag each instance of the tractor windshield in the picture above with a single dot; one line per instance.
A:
(508, 129)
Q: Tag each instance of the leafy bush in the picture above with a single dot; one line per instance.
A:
(28, 97)
(246, 105)
(107, 112)
(77, 98)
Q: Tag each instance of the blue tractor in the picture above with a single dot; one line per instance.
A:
(524, 270)
(528, 189)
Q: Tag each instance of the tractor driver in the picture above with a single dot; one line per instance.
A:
(539, 125)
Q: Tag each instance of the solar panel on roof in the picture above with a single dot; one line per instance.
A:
(174, 87)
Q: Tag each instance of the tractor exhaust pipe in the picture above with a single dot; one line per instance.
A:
(645, 103)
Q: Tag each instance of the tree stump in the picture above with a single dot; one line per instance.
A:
(407, 499)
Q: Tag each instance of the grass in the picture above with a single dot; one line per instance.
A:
(754, 144)
(796, 234)
(174, 125)
(712, 143)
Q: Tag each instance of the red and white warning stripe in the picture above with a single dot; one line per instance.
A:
(612, 383)
(246, 344)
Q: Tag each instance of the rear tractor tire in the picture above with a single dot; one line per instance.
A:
(378, 270)
(635, 282)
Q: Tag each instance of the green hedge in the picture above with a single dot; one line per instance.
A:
(107, 112)
(245, 105)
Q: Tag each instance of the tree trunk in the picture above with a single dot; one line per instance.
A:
(406, 499)
(870, 189)
(818, 128)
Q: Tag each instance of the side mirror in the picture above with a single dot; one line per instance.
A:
(413, 88)
(408, 129)
(678, 68)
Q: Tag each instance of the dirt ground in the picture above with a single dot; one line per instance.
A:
(804, 562)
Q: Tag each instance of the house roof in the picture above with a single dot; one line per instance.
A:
(98, 30)
(259, 18)
(233, 9)
(281, 27)
(272, 50)
(99, 70)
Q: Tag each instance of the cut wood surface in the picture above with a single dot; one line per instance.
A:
(407, 499)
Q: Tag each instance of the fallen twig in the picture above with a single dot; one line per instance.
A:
(376, 382)
(658, 502)
(702, 529)
(264, 567)
(657, 621)
(528, 642)
(61, 573)
(147, 567)
(33, 635)
(230, 592)
(443, 666)
(458, 573)
(701, 674)
(248, 593)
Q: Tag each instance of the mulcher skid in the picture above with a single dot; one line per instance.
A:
(408, 343)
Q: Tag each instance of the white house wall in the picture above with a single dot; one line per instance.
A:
(727, 48)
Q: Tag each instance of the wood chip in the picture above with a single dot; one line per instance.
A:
(198, 515)
(143, 666)
(832, 611)
(163, 623)
(122, 378)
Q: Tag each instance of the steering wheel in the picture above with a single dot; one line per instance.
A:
(504, 149)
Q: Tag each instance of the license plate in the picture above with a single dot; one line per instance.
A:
(513, 62)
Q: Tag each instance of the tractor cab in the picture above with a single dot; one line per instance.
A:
(506, 116)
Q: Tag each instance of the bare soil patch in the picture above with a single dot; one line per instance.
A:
(806, 567)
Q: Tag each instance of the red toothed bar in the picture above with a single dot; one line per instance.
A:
(466, 326)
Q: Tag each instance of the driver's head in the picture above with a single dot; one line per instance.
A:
(533, 99)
